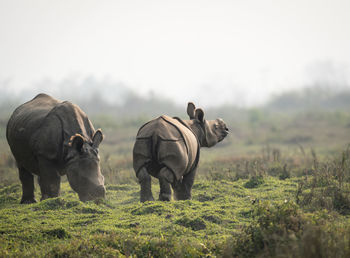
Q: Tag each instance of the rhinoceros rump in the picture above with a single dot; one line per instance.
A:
(168, 149)
(51, 138)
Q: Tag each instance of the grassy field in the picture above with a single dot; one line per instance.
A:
(278, 186)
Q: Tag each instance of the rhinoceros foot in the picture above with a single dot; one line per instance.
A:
(164, 197)
(145, 182)
(146, 198)
(28, 201)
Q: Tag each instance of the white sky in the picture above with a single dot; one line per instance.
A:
(236, 51)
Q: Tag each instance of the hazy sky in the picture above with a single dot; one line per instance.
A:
(238, 51)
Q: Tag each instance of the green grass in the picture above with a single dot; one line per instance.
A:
(122, 225)
(225, 218)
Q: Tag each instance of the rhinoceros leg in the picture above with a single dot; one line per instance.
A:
(182, 190)
(166, 177)
(146, 187)
(27, 181)
(49, 180)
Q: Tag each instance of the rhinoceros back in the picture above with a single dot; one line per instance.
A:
(24, 121)
(165, 141)
(40, 127)
(29, 116)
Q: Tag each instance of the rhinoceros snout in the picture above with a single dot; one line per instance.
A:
(223, 134)
(96, 193)
(100, 192)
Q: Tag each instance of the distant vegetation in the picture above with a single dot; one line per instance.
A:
(119, 101)
(314, 98)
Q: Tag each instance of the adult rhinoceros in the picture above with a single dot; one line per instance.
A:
(51, 138)
(168, 149)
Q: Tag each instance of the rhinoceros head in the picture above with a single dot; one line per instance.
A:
(83, 167)
(208, 132)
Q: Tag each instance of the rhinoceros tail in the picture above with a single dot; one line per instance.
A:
(154, 148)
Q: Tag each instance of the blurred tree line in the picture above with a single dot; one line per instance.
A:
(118, 101)
(311, 98)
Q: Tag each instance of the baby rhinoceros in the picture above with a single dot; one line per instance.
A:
(168, 149)
(51, 138)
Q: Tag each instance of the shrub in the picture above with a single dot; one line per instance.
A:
(254, 182)
(273, 226)
(327, 187)
(195, 223)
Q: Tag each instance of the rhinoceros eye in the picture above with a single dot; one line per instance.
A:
(95, 151)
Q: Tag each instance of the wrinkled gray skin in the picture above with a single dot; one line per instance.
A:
(50, 138)
(169, 151)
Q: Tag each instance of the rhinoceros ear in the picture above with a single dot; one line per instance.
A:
(97, 138)
(77, 142)
(199, 115)
(190, 110)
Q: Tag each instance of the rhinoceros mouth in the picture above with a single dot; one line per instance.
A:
(98, 193)
(223, 135)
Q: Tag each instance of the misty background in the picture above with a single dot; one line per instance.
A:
(149, 57)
